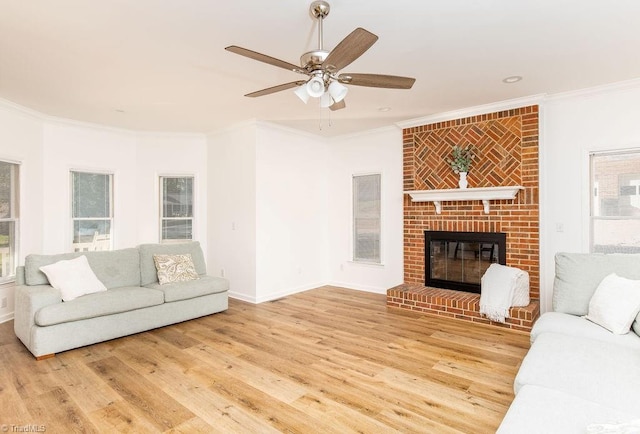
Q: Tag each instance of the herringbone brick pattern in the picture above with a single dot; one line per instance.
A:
(497, 149)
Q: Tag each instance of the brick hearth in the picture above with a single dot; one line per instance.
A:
(457, 304)
(506, 145)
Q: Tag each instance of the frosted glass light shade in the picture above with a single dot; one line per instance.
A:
(326, 100)
(301, 92)
(315, 87)
(337, 91)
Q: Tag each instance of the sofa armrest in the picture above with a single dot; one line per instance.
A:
(28, 301)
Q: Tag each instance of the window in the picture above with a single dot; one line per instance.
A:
(366, 218)
(9, 211)
(176, 210)
(615, 202)
(92, 211)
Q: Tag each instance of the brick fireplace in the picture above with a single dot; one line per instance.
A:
(506, 145)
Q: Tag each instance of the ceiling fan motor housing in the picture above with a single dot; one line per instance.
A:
(312, 60)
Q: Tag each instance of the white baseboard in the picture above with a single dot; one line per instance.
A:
(6, 317)
(285, 293)
(242, 297)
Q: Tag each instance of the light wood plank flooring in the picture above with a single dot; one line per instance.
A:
(328, 360)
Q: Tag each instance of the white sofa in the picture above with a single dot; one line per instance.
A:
(134, 300)
(578, 377)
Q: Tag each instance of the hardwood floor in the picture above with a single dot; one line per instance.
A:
(326, 360)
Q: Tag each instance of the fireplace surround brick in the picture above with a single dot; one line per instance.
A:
(506, 144)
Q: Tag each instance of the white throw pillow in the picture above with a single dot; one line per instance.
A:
(615, 303)
(73, 277)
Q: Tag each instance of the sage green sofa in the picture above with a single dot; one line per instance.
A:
(133, 302)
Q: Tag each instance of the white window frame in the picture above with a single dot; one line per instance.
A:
(162, 218)
(594, 189)
(354, 258)
(110, 219)
(11, 262)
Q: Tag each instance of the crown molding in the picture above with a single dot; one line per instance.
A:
(596, 90)
(11, 106)
(54, 120)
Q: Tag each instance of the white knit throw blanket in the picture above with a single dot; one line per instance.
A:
(497, 286)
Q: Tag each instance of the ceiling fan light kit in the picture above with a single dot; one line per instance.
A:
(322, 67)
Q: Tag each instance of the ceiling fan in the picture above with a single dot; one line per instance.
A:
(323, 67)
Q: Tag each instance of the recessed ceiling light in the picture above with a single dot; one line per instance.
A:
(512, 79)
(384, 109)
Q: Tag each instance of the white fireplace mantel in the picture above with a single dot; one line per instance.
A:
(485, 194)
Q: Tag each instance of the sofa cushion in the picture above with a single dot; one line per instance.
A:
(148, 271)
(109, 302)
(174, 268)
(73, 278)
(572, 325)
(597, 371)
(114, 268)
(579, 274)
(194, 288)
(539, 410)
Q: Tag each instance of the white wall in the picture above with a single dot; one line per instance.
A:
(280, 209)
(166, 155)
(231, 198)
(291, 212)
(136, 161)
(575, 124)
(21, 141)
(374, 152)
(69, 147)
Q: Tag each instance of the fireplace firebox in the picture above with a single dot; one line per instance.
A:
(457, 260)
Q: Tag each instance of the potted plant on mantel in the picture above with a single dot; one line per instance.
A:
(460, 162)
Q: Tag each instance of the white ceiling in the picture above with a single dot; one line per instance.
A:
(160, 65)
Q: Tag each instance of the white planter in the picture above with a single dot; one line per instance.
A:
(463, 180)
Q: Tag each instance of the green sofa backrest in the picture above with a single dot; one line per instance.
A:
(114, 268)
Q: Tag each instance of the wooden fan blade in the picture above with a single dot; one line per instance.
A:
(275, 89)
(377, 80)
(337, 105)
(349, 49)
(264, 58)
